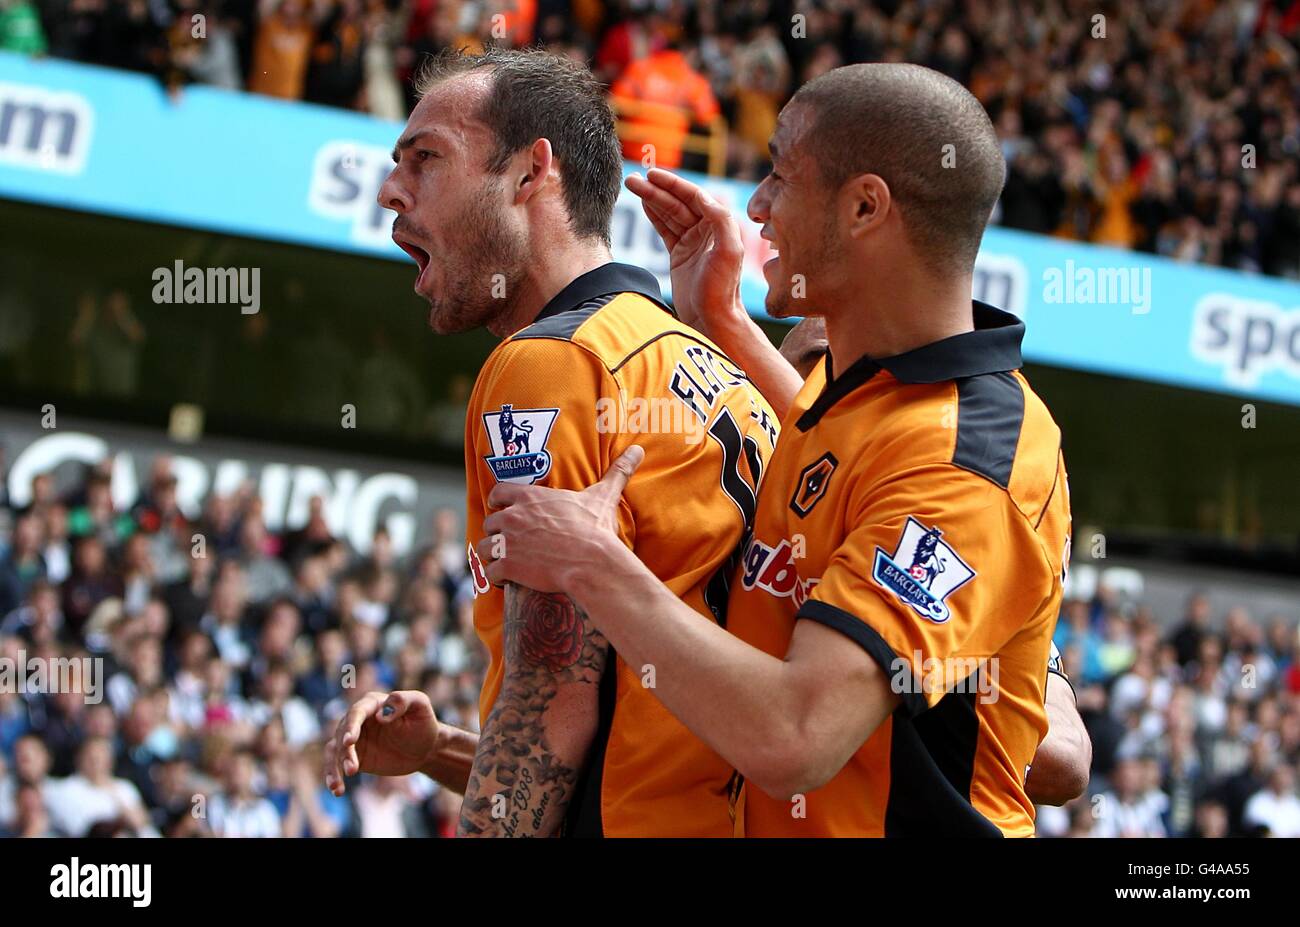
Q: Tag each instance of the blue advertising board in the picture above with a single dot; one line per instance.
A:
(101, 141)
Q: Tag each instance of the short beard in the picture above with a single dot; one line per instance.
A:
(485, 275)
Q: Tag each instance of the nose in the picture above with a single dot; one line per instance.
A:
(759, 203)
(392, 195)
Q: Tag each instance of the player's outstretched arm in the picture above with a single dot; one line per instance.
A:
(1059, 772)
(788, 725)
(705, 256)
(396, 734)
(543, 722)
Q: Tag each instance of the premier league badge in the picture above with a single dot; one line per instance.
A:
(518, 438)
(923, 571)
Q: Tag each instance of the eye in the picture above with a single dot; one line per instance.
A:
(421, 155)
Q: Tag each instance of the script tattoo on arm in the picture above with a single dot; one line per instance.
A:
(542, 725)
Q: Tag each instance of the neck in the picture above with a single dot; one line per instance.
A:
(908, 314)
(547, 276)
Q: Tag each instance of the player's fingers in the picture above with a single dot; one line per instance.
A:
(636, 183)
(674, 202)
(661, 226)
(658, 214)
(726, 231)
(349, 726)
(620, 471)
(356, 716)
(329, 762)
(497, 522)
(361, 711)
(490, 548)
(677, 188)
(334, 766)
(351, 762)
(394, 707)
(496, 571)
(507, 494)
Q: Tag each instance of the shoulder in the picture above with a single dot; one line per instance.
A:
(610, 329)
(992, 426)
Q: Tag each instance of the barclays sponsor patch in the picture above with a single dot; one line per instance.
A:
(518, 439)
(923, 571)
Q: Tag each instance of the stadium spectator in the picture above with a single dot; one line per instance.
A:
(1132, 808)
(336, 70)
(1211, 820)
(15, 721)
(384, 97)
(278, 701)
(91, 581)
(237, 810)
(383, 805)
(1276, 808)
(265, 576)
(282, 49)
(658, 98)
(30, 817)
(1187, 638)
(57, 551)
(92, 795)
(204, 46)
(23, 565)
(173, 803)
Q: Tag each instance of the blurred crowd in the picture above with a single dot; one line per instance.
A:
(1195, 725)
(1169, 126)
(203, 661)
(222, 655)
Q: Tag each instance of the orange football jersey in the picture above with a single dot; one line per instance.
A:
(607, 365)
(918, 505)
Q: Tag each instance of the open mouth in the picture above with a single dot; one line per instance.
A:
(773, 252)
(418, 254)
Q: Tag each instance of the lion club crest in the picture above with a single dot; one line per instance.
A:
(518, 438)
(923, 571)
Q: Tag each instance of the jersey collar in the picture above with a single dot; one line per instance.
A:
(604, 280)
(993, 347)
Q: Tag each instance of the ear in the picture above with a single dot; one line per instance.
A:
(535, 166)
(868, 203)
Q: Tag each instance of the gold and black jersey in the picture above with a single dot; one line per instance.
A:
(604, 366)
(918, 505)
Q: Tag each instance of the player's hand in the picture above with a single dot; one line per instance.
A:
(538, 534)
(385, 734)
(705, 249)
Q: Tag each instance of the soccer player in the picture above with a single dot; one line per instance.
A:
(504, 187)
(1059, 772)
(893, 611)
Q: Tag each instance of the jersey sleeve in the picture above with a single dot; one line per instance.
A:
(940, 573)
(534, 419)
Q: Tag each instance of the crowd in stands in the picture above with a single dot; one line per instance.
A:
(222, 655)
(1195, 724)
(1169, 126)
